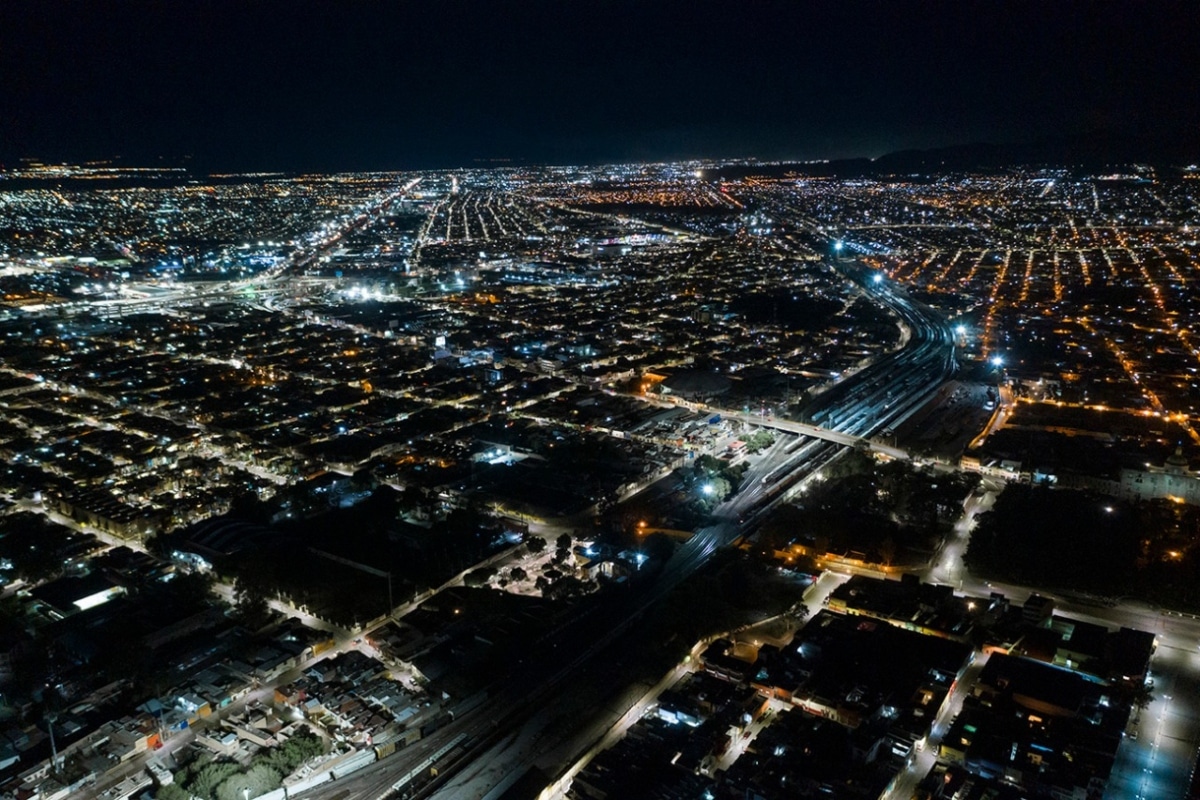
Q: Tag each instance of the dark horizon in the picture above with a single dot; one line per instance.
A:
(318, 86)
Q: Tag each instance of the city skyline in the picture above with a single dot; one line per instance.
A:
(635, 400)
(409, 468)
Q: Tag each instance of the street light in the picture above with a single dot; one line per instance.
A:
(707, 489)
(997, 361)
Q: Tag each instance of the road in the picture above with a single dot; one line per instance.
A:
(921, 760)
(605, 732)
(173, 741)
(875, 397)
(947, 565)
(1158, 760)
(314, 245)
(502, 733)
(1157, 763)
(508, 711)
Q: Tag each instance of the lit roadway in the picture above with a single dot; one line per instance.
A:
(882, 394)
(191, 292)
(922, 757)
(1157, 764)
(1157, 756)
(508, 718)
(513, 715)
(607, 731)
(496, 739)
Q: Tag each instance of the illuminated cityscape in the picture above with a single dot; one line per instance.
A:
(527, 406)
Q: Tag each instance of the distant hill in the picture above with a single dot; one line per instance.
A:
(1101, 148)
(1091, 151)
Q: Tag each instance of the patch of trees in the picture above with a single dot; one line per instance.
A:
(758, 441)
(227, 780)
(479, 577)
(733, 590)
(306, 563)
(869, 318)
(562, 548)
(1078, 540)
(1035, 535)
(36, 548)
(874, 509)
(790, 311)
(714, 481)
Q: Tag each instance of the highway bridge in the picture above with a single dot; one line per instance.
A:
(848, 414)
(881, 396)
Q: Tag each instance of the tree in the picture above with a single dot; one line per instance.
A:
(887, 550)
(759, 440)
(192, 589)
(713, 492)
(736, 584)
(250, 603)
(207, 778)
(411, 499)
(172, 791)
(479, 577)
(259, 779)
(659, 547)
(1142, 696)
(247, 505)
(362, 480)
(535, 544)
(518, 574)
(562, 548)
(857, 461)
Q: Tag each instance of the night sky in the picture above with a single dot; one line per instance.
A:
(349, 84)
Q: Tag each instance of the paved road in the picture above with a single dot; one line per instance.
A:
(1157, 763)
(922, 758)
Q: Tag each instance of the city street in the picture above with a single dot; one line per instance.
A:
(1159, 751)
(922, 759)
(1158, 762)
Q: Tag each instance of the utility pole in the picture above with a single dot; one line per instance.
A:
(51, 716)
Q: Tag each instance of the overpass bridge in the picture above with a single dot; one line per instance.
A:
(814, 431)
